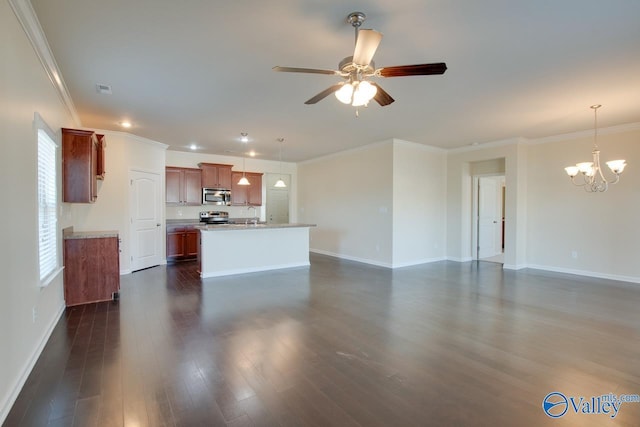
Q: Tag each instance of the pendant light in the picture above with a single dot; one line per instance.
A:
(280, 183)
(243, 180)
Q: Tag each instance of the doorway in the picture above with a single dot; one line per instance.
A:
(277, 209)
(146, 220)
(489, 224)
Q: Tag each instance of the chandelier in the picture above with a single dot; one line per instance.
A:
(593, 179)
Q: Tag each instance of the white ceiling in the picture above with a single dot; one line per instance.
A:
(200, 71)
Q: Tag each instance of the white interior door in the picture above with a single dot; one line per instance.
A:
(489, 217)
(146, 220)
(277, 209)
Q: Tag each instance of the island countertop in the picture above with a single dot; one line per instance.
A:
(227, 227)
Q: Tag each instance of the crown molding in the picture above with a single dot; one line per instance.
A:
(31, 26)
(611, 130)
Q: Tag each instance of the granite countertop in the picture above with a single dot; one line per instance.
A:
(222, 227)
(89, 234)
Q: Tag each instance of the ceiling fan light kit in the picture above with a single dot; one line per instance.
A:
(593, 179)
(358, 70)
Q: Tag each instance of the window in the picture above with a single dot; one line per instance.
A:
(47, 204)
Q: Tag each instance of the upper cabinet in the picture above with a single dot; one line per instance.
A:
(80, 159)
(183, 186)
(102, 144)
(215, 175)
(246, 195)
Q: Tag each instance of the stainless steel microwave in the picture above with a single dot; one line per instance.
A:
(216, 196)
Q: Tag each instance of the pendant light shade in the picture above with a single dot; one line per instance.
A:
(280, 182)
(244, 180)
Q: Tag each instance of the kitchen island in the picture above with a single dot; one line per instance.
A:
(245, 248)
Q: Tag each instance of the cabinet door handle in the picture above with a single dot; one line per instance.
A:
(158, 225)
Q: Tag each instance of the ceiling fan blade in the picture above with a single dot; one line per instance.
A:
(305, 70)
(413, 70)
(382, 97)
(324, 94)
(366, 46)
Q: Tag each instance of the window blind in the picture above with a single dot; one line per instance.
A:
(47, 205)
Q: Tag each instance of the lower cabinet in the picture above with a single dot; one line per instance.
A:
(91, 270)
(182, 243)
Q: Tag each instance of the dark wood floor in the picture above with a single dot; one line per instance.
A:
(340, 343)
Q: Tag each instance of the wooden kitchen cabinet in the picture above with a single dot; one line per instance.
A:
(182, 242)
(183, 186)
(100, 156)
(80, 166)
(215, 175)
(246, 195)
(91, 270)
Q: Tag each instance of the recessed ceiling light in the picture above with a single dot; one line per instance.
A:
(252, 153)
(193, 147)
(244, 137)
(125, 124)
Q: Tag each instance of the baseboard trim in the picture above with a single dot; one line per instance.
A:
(418, 262)
(630, 279)
(378, 263)
(514, 266)
(28, 367)
(465, 259)
(351, 258)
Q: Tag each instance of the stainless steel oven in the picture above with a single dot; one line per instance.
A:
(216, 196)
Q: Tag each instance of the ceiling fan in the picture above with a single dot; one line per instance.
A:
(357, 70)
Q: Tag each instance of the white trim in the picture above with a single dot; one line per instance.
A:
(456, 259)
(418, 262)
(131, 136)
(252, 269)
(631, 279)
(423, 147)
(28, 367)
(348, 151)
(629, 127)
(31, 26)
(351, 258)
(514, 266)
(490, 144)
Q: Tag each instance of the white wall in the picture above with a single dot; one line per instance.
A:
(124, 152)
(419, 203)
(602, 228)
(350, 197)
(191, 160)
(24, 89)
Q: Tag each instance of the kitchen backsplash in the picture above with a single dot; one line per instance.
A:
(192, 212)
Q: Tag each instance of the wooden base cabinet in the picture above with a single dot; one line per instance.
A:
(91, 270)
(182, 243)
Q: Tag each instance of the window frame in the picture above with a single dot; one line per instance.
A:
(41, 126)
